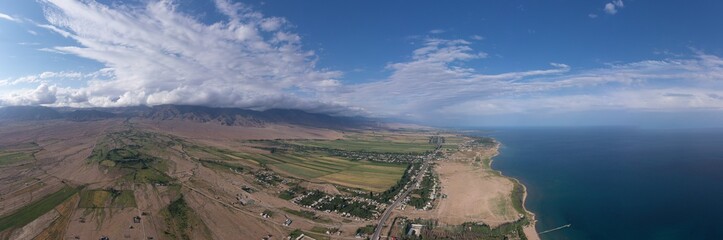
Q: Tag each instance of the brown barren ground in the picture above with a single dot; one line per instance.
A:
(474, 194)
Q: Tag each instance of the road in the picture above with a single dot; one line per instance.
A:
(391, 207)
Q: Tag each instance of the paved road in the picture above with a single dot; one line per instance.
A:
(390, 208)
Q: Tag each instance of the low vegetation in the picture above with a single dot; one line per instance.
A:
(366, 230)
(182, 221)
(221, 165)
(307, 214)
(8, 158)
(178, 219)
(518, 196)
(138, 154)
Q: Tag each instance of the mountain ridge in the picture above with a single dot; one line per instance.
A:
(202, 114)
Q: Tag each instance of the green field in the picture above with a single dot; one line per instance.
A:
(107, 199)
(30, 212)
(133, 146)
(7, 158)
(371, 176)
(17, 153)
(94, 199)
(138, 154)
(379, 146)
(182, 221)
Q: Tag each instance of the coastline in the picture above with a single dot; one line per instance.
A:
(494, 200)
(530, 230)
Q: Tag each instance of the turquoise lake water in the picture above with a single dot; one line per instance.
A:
(618, 183)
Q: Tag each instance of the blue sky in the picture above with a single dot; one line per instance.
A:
(649, 63)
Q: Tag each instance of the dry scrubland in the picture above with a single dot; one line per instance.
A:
(189, 180)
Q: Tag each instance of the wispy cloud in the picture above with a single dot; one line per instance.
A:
(434, 77)
(8, 17)
(44, 77)
(435, 84)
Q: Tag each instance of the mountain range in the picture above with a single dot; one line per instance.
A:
(222, 116)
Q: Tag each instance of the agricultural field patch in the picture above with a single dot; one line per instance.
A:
(17, 153)
(377, 182)
(308, 165)
(383, 146)
(107, 199)
(30, 212)
(8, 158)
(370, 176)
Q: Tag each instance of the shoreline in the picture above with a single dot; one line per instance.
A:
(530, 230)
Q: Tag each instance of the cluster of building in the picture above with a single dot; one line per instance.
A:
(428, 189)
(363, 155)
(377, 157)
(268, 178)
(359, 208)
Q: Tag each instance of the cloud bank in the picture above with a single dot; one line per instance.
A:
(156, 54)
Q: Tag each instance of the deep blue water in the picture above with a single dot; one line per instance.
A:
(619, 183)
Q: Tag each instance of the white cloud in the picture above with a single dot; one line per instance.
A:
(42, 78)
(619, 3)
(436, 84)
(610, 8)
(9, 18)
(43, 94)
(613, 7)
(437, 31)
(433, 77)
(592, 15)
(272, 24)
(666, 99)
(157, 55)
(477, 37)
